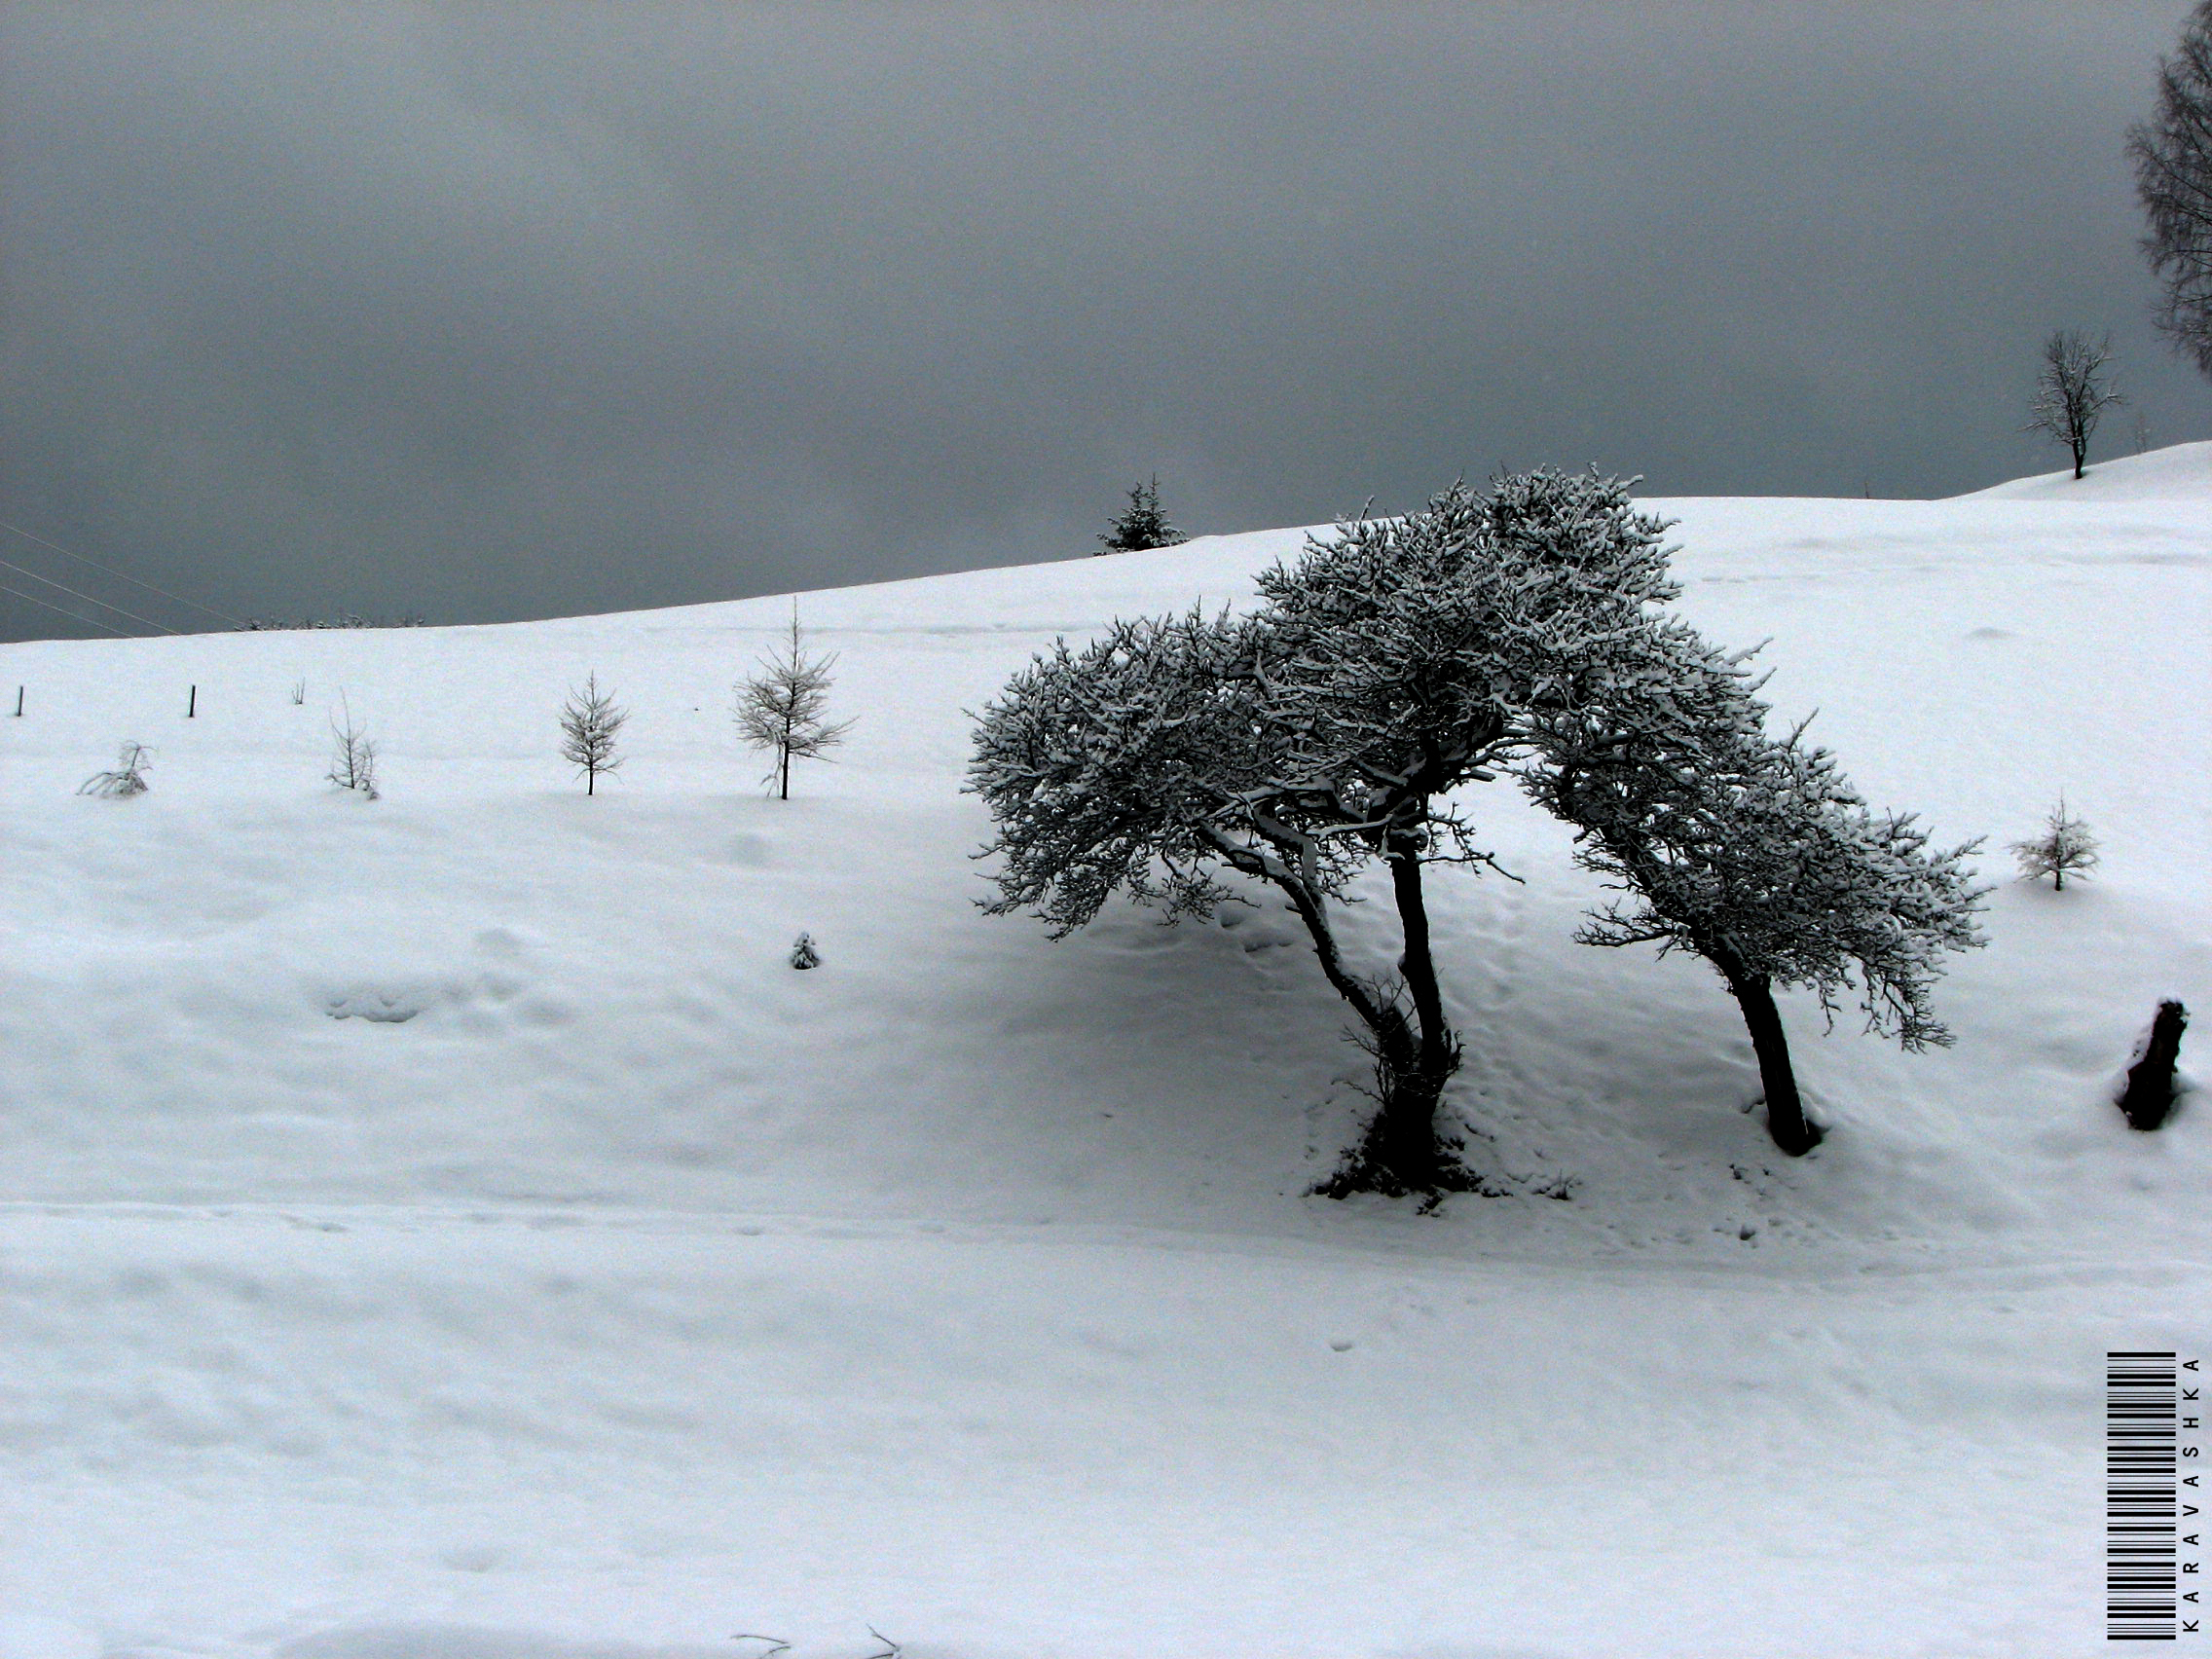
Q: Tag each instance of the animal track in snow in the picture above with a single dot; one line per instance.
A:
(381, 1008)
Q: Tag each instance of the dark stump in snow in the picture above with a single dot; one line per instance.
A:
(2148, 1098)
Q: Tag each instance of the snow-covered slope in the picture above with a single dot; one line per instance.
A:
(2179, 473)
(445, 1226)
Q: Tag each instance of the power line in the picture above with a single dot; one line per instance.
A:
(88, 621)
(219, 615)
(85, 596)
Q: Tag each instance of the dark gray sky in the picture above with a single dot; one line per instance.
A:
(522, 309)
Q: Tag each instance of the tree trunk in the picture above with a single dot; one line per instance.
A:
(1399, 1151)
(1418, 964)
(2149, 1097)
(1786, 1119)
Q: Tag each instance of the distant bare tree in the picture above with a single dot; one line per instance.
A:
(2172, 153)
(353, 759)
(128, 779)
(2073, 392)
(782, 709)
(589, 720)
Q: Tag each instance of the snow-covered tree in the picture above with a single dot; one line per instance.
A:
(1753, 852)
(2073, 392)
(589, 722)
(1320, 736)
(2065, 847)
(128, 777)
(784, 709)
(2172, 153)
(1143, 524)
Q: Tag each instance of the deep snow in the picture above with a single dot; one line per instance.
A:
(445, 1227)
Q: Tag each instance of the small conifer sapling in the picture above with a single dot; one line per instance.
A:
(589, 722)
(2065, 845)
(352, 756)
(1143, 524)
(784, 709)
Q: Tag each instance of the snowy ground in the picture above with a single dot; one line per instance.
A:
(445, 1227)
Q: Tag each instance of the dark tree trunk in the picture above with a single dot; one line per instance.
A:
(1786, 1120)
(1400, 1151)
(2150, 1094)
(1418, 966)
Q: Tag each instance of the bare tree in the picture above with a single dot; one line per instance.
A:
(353, 759)
(784, 708)
(128, 779)
(2172, 153)
(589, 720)
(2073, 392)
(2064, 845)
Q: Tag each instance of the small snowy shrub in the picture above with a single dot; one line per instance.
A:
(589, 720)
(2065, 845)
(803, 953)
(354, 757)
(128, 779)
(784, 709)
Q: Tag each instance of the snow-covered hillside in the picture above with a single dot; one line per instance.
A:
(2181, 472)
(445, 1227)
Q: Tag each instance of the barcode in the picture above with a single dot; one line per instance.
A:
(2142, 1496)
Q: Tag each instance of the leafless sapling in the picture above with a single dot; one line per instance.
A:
(784, 709)
(589, 720)
(2064, 847)
(352, 756)
(128, 779)
(2172, 153)
(2071, 392)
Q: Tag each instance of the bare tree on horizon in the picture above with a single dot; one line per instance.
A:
(2073, 392)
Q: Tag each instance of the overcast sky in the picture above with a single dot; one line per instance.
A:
(521, 309)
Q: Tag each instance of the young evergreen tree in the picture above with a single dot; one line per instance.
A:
(1143, 524)
(589, 722)
(352, 756)
(1755, 852)
(2065, 847)
(784, 709)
